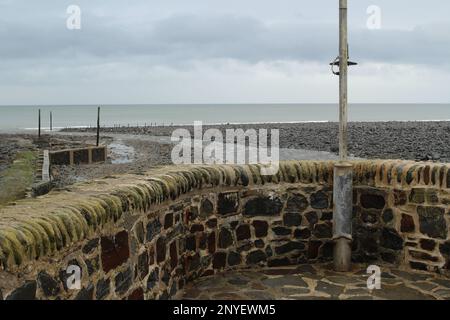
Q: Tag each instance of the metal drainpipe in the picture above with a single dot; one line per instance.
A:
(342, 216)
(343, 170)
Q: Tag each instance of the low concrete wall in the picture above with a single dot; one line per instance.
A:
(145, 236)
(86, 155)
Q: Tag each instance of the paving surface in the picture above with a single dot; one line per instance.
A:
(318, 282)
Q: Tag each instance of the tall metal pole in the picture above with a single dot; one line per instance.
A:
(343, 173)
(51, 121)
(343, 71)
(98, 126)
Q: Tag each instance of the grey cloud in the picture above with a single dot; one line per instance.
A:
(193, 37)
(197, 29)
(170, 51)
(427, 44)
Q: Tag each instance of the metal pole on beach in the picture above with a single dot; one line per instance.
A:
(51, 121)
(98, 126)
(343, 171)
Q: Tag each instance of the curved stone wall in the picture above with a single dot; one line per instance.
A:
(145, 236)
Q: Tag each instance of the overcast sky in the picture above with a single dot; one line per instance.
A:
(230, 51)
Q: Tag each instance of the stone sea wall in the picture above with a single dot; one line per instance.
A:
(146, 236)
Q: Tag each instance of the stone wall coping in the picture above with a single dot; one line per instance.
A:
(35, 228)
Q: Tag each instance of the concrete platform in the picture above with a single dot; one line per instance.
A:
(311, 282)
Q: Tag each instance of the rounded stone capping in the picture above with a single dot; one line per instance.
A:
(343, 164)
(34, 228)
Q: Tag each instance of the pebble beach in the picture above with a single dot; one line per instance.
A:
(136, 149)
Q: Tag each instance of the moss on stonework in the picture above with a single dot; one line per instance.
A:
(34, 228)
(11, 246)
(442, 176)
(37, 246)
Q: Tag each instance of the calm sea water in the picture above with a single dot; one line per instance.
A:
(15, 118)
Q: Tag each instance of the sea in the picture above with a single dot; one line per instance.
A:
(25, 118)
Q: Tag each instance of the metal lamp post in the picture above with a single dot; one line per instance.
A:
(343, 170)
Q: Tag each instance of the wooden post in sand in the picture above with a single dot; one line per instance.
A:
(39, 123)
(98, 126)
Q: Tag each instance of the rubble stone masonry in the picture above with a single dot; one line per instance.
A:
(146, 236)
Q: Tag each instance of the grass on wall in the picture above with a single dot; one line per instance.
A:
(16, 179)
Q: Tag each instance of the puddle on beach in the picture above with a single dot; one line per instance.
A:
(121, 153)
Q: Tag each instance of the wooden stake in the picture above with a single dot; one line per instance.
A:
(98, 126)
(39, 124)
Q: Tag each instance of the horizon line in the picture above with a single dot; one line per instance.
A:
(218, 104)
